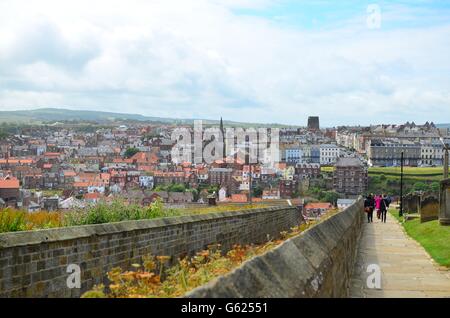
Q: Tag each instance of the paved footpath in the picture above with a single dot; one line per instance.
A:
(406, 268)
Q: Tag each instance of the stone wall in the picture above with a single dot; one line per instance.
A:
(34, 263)
(316, 263)
(411, 203)
(429, 208)
(444, 202)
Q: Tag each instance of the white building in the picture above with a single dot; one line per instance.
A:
(431, 154)
(329, 154)
(146, 182)
(294, 155)
(344, 203)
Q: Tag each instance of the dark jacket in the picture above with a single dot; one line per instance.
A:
(369, 202)
(384, 204)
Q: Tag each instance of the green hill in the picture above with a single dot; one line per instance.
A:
(46, 115)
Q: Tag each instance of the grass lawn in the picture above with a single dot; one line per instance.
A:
(431, 235)
(409, 170)
(409, 173)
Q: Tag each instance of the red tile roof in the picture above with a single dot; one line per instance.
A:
(239, 198)
(11, 183)
(319, 205)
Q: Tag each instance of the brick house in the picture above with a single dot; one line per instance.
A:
(287, 188)
(350, 177)
(9, 190)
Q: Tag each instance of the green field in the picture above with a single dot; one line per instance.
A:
(417, 173)
(431, 235)
(395, 171)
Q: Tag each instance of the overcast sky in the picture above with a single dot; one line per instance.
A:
(245, 60)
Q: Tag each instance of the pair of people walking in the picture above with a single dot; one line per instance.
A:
(380, 203)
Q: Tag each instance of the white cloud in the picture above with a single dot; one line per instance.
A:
(199, 59)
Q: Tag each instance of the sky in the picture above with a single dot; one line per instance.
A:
(349, 62)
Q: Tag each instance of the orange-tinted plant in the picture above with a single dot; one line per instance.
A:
(155, 279)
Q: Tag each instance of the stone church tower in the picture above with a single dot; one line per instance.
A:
(222, 130)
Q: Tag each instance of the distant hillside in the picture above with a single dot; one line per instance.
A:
(55, 114)
(443, 125)
(42, 115)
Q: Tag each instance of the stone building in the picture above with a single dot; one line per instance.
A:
(350, 177)
(313, 123)
(387, 153)
(307, 170)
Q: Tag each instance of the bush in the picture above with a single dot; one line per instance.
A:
(329, 196)
(117, 211)
(12, 221)
(420, 186)
(130, 152)
(435, 187)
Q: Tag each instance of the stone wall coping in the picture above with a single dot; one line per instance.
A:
(323, 231)
(25, 238)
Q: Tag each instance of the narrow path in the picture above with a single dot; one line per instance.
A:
(406, 268)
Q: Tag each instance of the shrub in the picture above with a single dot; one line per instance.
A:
(11, 221)
(117, 211)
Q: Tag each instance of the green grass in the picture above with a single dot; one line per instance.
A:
(417, 171)
(434, 237)
(410, 173)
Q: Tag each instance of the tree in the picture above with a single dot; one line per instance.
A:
(130, 152)
(329, 196)
(420, 186)
(257, 191)
(435, 187)
(177, 187)
(3, 134)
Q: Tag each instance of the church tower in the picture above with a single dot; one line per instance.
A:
(222, 130)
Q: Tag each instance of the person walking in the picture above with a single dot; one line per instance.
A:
(384, 206)
(378, 199)
(369, 205)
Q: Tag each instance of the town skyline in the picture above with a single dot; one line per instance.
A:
(352, 62)
(189, 120)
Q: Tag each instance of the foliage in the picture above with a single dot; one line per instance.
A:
(420, 186)
(117, 211)
(130, 152)
(329, 196)
(323, 196)
(14, 220)
(154, 278)
(174, 187)
(102, 212)
(209, 188)
(3, 134)
(257, 191)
